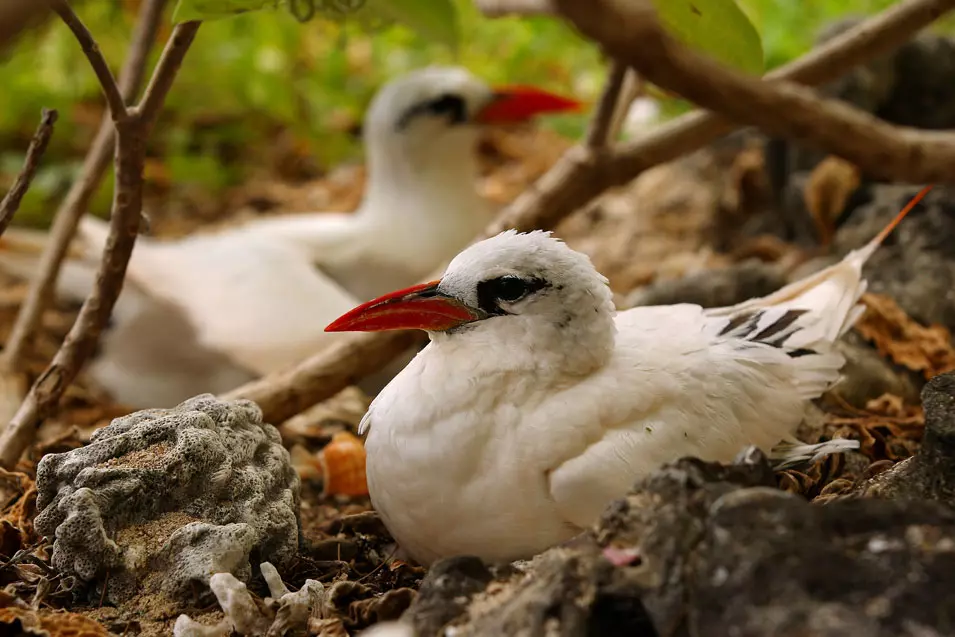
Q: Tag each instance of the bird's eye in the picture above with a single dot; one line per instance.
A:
(447, 105)
(451, 105)
(510, 288)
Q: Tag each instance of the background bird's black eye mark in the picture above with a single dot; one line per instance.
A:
(447, 105)
(506, 289)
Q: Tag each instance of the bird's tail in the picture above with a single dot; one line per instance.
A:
(21, 249)
(807, 316)
(789, 455)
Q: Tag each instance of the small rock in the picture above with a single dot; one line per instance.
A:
(929, 474)
(163, 498)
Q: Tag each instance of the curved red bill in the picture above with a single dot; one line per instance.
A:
(420, 307)
(521, 103)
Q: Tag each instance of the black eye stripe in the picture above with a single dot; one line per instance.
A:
(447, 104)
(507, 289)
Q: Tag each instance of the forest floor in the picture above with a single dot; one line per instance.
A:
(674, 221)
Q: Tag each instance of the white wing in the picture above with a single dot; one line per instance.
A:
(681, 383)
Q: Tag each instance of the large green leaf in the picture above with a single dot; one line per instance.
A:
(718, 28)
(435, 20)
(187, 10)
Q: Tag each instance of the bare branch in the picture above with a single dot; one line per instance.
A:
(124, 226)
(77, 199)
(601, 123)
(117, 105)
(11, 203)
(632, 33)
(353, 357)
(633, 87)
(166, 69)
(498, 8)
(580, 176)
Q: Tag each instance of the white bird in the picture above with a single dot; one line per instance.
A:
(253, 299)
(535, 404)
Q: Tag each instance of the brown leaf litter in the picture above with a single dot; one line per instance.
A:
(904, 341)
(667, 223)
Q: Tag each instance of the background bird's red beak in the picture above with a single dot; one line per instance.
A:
(420, 307)
(521, 103)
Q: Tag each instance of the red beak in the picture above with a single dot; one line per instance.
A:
(521, 103)
(420, 307)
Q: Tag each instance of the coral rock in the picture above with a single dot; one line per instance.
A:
(163, 498)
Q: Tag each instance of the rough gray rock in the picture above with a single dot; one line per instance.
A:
(164, 498)
(705, 549)
(929, 474)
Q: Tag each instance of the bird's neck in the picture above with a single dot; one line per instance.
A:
(439, 179)
(553, 354)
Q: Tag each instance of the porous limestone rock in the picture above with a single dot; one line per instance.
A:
(163, 498)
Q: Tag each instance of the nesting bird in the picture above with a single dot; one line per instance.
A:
(227, 307)
(536, 403)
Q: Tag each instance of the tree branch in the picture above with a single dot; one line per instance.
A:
(576, 179)
(11, 202)
(632, 33)
(499, 8)
(77, 199)
(114, 99)
(602, 121)
(131, 131)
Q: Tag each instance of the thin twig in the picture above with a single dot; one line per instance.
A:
(601, 122)
(166, 69)
(633, 87)
(131, 131)
(77, 199)
(576, 179)
(632, 33)
(114, 99)
(11, 202)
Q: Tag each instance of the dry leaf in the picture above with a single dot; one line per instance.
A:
(904, 341)
(827, 191)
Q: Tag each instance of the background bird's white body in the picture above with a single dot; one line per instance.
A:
(255, 298)
(511, 434)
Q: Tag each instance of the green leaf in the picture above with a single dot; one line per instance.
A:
(718, 28)
(187, 10)
(435, 20)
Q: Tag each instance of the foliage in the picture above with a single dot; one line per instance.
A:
(434, 19)
(260, 86)
(716, 27)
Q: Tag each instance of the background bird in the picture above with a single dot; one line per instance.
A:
(253, 299)
(535, 404)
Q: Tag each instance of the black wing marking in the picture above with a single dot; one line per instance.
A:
(744, 326)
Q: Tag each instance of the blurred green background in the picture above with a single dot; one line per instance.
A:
(262, 86)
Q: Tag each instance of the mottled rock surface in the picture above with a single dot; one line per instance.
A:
(163, 498)
(929, 474)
